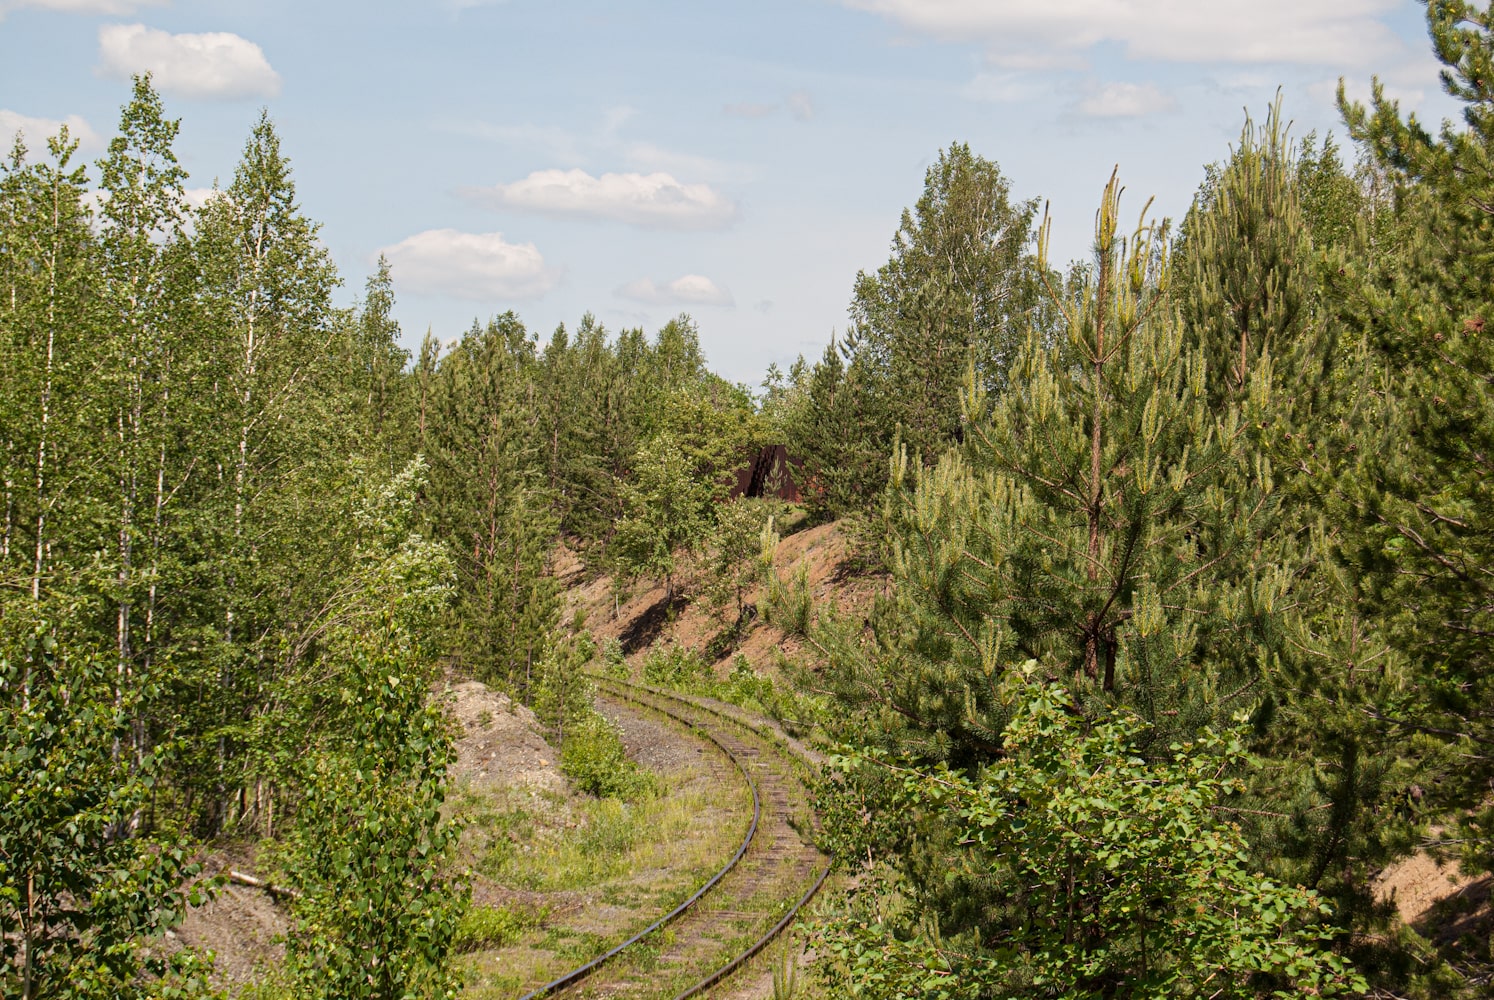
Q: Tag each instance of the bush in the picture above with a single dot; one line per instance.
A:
(675, 666)
(492, 927)
(745, 686)
(1108, 872)
(614, 664)
(593, 757)
(379, 901)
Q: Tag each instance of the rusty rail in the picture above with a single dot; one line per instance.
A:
(788, 918)
(581, 972)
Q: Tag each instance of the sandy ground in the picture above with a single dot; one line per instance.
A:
(240, 925)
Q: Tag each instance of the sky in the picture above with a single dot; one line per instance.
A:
(737, 161)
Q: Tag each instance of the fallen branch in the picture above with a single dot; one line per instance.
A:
(254, 883)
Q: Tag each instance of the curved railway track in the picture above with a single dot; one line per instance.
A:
(756, 896)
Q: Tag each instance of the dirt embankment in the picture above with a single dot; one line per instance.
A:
(1438, 900)
(646, 619)
(499, 746)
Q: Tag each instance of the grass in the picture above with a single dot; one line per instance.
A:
(494, 927)
(605, 840)
(640, 857)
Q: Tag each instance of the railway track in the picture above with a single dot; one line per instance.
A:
(757, 895)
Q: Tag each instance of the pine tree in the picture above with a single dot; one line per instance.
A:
(376, 363)
(489, 505)
(1409, 479)
(1100, 519)
(1247, 276)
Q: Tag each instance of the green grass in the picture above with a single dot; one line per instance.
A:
(494, 927)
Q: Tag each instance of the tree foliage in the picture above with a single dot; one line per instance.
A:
(954, 294)
(1108, 870)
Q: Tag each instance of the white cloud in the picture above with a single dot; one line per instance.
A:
(799, 104)
(1126, 100)
(476, 266)
(656, 201)
(1021, 35)
(1415, 82)
(36, 131)
(606, 144)
(82, 6)
(647, 156)
(691, 289)
(214, 65)
(998, 88)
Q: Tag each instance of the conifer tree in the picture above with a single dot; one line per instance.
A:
(1087, 522)
(1408, 477)
(1100, 519)
(376, 363)
(488, 502)
(1247, 276)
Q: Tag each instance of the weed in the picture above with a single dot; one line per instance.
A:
(594, 758)
(648, 833)
(576, 946)
(785, 969)
(492, 927)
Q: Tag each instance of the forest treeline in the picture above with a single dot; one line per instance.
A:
(1186, 635)
(241, 524)
(1190, 573)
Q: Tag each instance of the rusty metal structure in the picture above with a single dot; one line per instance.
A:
(769, 472)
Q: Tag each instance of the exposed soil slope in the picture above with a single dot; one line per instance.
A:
(646, 619)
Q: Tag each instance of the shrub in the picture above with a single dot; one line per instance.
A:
(614, 664)
(746, 686)
(593, 757)
(675, 666)
(1109, 871)
(491, 927)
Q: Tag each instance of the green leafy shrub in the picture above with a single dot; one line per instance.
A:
(78, 900)
(378, 907)
(614, 663)
(675, 666)
(593, 757)
(492, 927)
(1107, 867)
(745, 686)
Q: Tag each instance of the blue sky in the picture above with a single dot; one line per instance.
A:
(737, 161)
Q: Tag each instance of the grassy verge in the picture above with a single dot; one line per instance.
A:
(579, 874)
